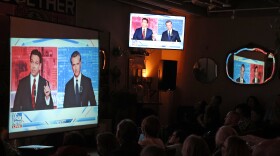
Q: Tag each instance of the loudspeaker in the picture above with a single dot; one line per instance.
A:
(167, 75)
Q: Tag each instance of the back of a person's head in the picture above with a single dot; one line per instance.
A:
(151, 126)
(177, 137)
(232, 118)
(235, 146)
(257, 115)
(244, 110)
(106, 143)
(223, 133)
(267, 148)
(195, 146)
(216, 100)
(200, 106)
(74, 138)
(152, 150)
(252, 102)
(181, 135)
(127, 131)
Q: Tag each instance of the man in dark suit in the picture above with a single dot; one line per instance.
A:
(143, 33)
(78, 90)
(170, 34)
(241, 78)
(256, 75)
(33, 92)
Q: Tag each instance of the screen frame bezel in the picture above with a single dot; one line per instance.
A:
(256, 49)
(51, 130)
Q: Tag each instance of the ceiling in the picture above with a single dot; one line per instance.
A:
(209, 8)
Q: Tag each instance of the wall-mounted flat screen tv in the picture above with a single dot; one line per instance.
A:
(156, 31)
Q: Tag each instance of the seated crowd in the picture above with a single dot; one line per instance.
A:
(247, 130)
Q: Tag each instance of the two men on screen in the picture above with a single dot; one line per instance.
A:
(242, 71)
(78, 90)
(33, 92)
(170, 34)
(143, 33)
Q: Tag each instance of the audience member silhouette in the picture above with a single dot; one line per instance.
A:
(176, 141)
(245, 124)
(272, 115)
(235, 146)
(253, 102)
(199, 111)
(9, 146)
(232, 119)
(153, 150)
(195, 146)
(211, 119)
(257, 117)
(106, 143)
(267, 148)
(272, 119)
(199, 107)
(73, 145)
(150, 127)
(127, 136)
(222, 134)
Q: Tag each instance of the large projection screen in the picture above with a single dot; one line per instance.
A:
(44, 96)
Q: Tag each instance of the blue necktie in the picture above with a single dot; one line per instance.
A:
(78, 100)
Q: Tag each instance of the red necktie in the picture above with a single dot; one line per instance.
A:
(143, 34)
(33, 93)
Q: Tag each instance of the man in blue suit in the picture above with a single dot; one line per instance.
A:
(170, 34)
(143, 33)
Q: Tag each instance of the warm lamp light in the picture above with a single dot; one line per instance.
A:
(144, 73)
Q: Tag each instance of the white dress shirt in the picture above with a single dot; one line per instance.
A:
(36, 88)
(169, 32)
(241, 80)
(144, 29)
(256, 80)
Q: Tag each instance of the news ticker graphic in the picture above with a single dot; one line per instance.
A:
(17, 120)
(37, 120)
(156, 44)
